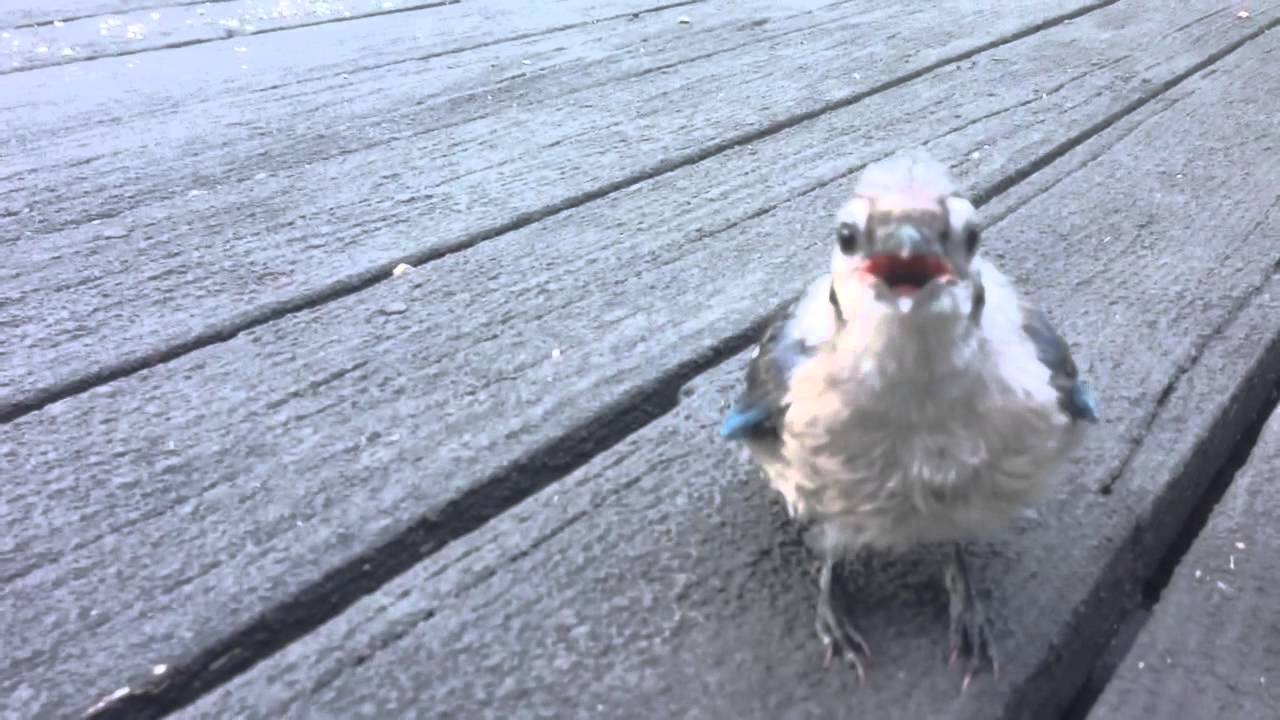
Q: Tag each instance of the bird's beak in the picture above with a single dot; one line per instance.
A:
(903, 241)
(903, 264)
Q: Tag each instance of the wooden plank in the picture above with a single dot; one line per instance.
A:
(160, 26)
(1209, 649)
(662, 580)
(95, 31)
(331, 184)
(283, 67)
(24, 12)
(234, 479)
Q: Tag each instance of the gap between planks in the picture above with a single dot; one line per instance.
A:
(341, 587)
(516, 38)
(1125, 633)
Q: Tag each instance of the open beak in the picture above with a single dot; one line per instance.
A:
(906, 275)
(905, 262)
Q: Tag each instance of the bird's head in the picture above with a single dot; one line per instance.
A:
(906, 236)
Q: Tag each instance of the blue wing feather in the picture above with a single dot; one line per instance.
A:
(1074, 397)
(744, 422)
(758, 411)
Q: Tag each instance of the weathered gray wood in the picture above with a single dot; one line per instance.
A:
(25, 12)
(159, 26)
(173, 229)
(1212, 647)
(147, 27)
(658, 581)
(223, 483)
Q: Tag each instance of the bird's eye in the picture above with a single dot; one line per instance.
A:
(847, 236)
(971, 237)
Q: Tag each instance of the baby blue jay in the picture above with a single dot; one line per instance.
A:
(909, 396)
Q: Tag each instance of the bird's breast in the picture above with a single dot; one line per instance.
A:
(889, 453)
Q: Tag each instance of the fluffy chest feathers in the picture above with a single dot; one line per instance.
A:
(930, 428)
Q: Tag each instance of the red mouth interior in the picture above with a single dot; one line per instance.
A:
(906, 275)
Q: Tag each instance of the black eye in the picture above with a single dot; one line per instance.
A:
(847, 236)
(971, 237)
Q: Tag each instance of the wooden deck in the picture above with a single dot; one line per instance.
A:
(249, 470)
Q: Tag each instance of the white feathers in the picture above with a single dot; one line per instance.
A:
(814, 321)
(961, 214)
(917, 428)
(854, 212)
(920, 424)
(906, 180)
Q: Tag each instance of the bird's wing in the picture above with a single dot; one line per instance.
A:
(1073, 397)
(789, 340)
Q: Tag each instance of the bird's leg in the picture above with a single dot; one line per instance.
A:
(970, 627)
(835, 627)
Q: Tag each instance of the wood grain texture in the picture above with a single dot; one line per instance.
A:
(1212, 646)
(97, 29)
(159, 26)
(180, 226)
(199, 494)
(14, 13)
(661, 580)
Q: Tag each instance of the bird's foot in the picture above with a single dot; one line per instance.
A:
(836, 628)
(971, 637)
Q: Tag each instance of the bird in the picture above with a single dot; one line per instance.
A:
(911, 395)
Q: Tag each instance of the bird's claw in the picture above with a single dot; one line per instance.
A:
(971, 640)
(836, 631)
(838, 634)
(971, 636)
